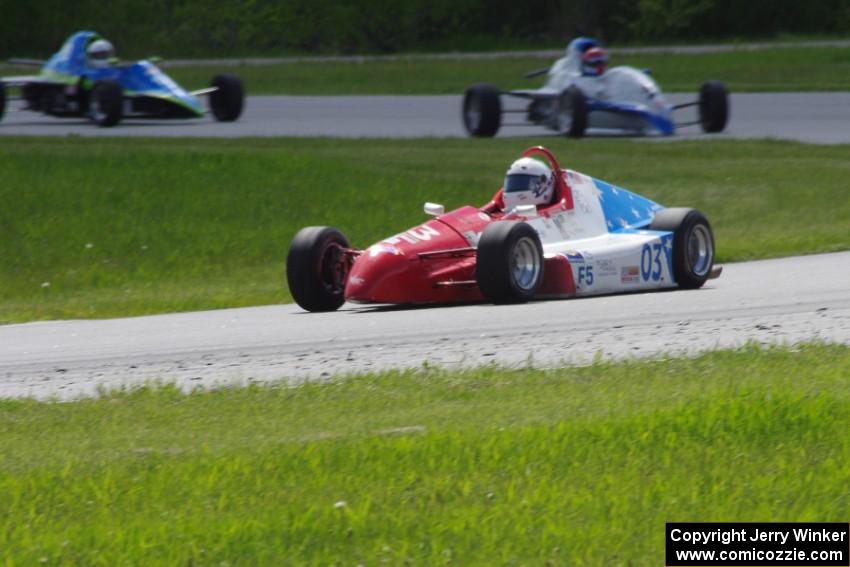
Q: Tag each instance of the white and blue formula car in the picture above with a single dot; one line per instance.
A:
(581, 93)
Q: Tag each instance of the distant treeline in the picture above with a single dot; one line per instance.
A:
(244, 27)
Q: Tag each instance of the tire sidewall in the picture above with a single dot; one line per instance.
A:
(105, 103)
(713, 106)
(682, 222)
(486, 96)
(227, 102)
(305, 269)
(493, 262)
(689, 225)
(578, 110)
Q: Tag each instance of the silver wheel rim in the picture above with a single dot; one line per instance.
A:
(525, 264)
(700, 250)
(565, 115)
(94, 108)
(473, 113)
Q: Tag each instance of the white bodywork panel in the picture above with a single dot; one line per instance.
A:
(621, 84)
(603, 261)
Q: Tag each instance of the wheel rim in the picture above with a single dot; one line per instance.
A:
(525, 264)
(472, 113)
(565, 116)
(96, 109)
(333, 268)
(700, 250)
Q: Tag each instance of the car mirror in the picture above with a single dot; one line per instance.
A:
(434, 209)
(526, 210)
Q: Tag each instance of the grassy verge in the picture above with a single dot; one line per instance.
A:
(576, 466)
(803, 69)
(97, 228)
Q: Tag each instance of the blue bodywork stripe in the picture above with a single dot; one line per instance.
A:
(623, 209)
(660, 123)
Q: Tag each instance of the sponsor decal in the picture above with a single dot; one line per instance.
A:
(605, 268)
(574, 257)
(630, 274)
(383, 248)
(414, 235)
(585, 276)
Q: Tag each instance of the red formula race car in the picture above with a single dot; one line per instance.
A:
(547, 233)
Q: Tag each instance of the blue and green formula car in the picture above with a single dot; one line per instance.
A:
(84, 78)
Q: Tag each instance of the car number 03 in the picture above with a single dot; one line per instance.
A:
(585, 275)
(650, 261)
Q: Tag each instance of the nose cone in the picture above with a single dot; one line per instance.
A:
(379, 274)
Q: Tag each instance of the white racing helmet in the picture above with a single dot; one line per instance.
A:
(100, 52)
(528, 182)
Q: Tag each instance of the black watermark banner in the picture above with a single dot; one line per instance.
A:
(740, 544)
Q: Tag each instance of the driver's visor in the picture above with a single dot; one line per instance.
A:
(517, 182)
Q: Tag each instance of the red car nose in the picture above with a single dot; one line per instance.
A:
(378, 275)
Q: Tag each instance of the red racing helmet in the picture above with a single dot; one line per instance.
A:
(594, 62)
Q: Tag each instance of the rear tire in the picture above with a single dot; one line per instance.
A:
(106, 103)
(509, 262)
(482, 110)
(227, 102)
(317, 268)
(693, 244)
(713, 106)
(572, 113)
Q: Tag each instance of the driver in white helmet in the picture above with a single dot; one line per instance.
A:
(100, 52)
(528, 182)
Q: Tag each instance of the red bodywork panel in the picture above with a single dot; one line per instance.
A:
(435, 261)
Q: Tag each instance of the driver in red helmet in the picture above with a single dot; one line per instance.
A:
(594, 62)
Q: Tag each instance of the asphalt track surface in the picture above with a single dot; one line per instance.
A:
(780, 301)
(820, 118)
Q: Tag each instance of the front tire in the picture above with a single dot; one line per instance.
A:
(317, 268)
(106, 103)
(572, 113)
(482, 110)
(713, 106)
(227, 101)
(509, 262)
(693, 244)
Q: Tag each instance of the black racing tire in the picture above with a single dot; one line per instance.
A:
(482, 110)
(317, 268)
(693, 244)
(572, 113)
(106, 103)
(227, 101)
(2, 100)
(713, 106)
(509, 262)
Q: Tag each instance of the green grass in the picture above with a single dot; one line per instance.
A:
(805, 69)
(101, 228)
(579, 466)
(801, 69)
